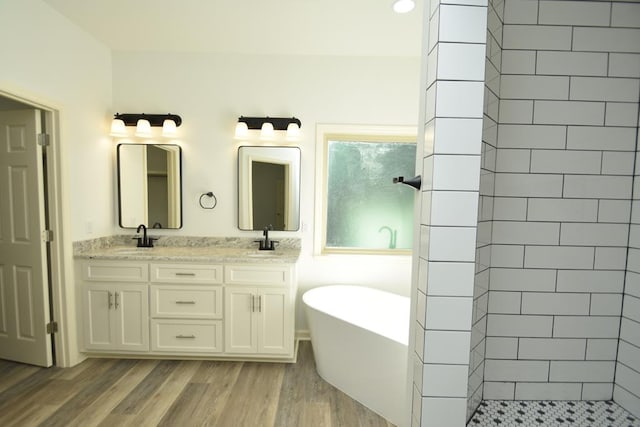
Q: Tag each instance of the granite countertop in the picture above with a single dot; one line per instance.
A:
(188, 249)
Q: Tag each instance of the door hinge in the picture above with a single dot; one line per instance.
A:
(47, 236)
(44, 140)
(52, 327)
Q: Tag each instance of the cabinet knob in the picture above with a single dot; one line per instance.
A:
(185, 302)
(185, 336)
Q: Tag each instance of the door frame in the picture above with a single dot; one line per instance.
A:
(59, 260)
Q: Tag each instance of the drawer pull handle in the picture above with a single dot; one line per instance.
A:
(185, 336)
(185, 274)
(185, 302)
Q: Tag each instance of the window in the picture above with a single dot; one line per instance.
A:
(362, 210)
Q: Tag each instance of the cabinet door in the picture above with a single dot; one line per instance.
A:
(275, 323)
(131, 317)
(239, 320)
(116, 317)
(97, 307)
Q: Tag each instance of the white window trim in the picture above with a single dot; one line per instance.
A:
(323, 133)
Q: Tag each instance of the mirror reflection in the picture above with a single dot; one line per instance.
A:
(149, 185)
(269, 188)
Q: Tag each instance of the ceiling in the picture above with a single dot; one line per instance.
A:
(287, 27)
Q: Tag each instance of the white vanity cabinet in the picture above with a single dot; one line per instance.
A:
(186, 308)
(115, 307)
(225, 311)
(259, 309)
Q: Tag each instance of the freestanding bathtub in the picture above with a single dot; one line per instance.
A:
(360, 337)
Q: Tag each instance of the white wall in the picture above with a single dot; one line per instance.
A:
(210, 92)
(47, 60)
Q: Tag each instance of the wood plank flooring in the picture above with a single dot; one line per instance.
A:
(121, 392)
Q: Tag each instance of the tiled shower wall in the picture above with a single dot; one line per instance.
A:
(453, 111)
(567, 128)
(485, 206)
(626, 391)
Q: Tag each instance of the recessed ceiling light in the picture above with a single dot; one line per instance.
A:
(403, 6)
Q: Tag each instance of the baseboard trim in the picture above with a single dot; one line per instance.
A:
(303, 335)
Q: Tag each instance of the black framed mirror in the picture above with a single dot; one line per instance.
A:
(150, 185)
(269, 188)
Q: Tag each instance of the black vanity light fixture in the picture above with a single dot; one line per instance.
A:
(143, 123)
(268, 126)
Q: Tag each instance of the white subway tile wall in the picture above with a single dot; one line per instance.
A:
(449, 338)
(626, 390)
(563, 218)
(557, 223)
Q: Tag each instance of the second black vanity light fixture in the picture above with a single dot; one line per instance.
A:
(267, 126)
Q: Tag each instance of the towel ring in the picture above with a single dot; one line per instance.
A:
(211, 195)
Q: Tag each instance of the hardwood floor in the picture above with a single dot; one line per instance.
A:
(121, 392)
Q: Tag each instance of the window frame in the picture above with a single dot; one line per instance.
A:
(363, 133)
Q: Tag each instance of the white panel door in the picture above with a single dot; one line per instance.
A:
(24, 295)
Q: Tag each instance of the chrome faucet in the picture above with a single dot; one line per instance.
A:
(393, 235)
(144, 241)
(266, 244)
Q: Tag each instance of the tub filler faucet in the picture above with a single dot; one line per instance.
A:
(393, 235)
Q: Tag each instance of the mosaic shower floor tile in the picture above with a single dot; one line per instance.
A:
(523, 413)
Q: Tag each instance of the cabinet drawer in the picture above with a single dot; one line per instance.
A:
(191, 336)
(186, 273)
(272, 275)
(115, 271)
(188, 301)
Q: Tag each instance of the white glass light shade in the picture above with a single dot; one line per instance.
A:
(403, 6)
(143, 128)
(242, 130)
(118, 128)
(267, 131)
(293, 131)
(169, 128)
